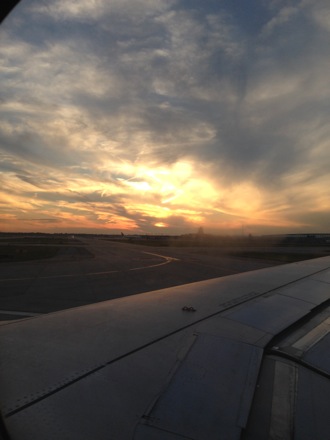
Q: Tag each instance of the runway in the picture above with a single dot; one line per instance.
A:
(101, 270)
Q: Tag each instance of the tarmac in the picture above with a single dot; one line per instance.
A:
(99, 270)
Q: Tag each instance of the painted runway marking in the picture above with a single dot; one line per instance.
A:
(167, 261)
(13, 312)
(71, 275)
(162, 256)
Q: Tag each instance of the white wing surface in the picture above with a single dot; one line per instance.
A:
(243, 356)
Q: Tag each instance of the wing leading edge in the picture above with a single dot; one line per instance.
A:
(205, 360)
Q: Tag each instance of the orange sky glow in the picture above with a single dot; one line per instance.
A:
(177, 119)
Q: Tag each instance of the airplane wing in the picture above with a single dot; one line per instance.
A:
(238, 357)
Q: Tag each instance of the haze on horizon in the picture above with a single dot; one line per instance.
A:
(163, 116)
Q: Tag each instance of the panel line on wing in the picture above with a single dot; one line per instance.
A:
(44, 394)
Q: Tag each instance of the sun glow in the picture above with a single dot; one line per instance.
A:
(154, 195)
(161, 225)
(130, 136)
(135, 196)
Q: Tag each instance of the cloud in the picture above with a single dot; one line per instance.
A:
(166, 112)
(87, 11)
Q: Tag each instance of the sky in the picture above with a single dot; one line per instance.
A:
(164, 116)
